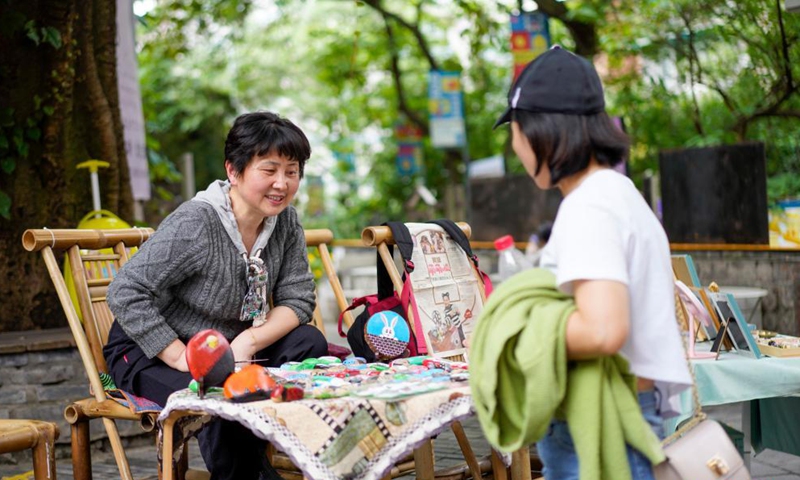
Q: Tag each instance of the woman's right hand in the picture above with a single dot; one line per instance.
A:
(175, 356)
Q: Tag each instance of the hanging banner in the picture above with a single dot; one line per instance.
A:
(446, 110)
(530, 36)
(130, 102)
(409, 149)
(315, 188)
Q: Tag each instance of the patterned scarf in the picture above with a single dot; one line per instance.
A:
(255, 305)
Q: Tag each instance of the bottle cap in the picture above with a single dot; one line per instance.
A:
(504, 242)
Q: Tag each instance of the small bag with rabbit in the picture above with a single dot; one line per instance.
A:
(378, 332)
(381, 332)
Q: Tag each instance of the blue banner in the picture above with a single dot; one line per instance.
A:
(446, 109)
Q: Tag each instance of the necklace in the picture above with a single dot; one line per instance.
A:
(255, 305)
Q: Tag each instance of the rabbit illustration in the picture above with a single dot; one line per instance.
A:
(388, 330)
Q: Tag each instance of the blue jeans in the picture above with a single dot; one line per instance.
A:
(557, 451)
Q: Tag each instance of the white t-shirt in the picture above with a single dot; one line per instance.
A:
(604, 230)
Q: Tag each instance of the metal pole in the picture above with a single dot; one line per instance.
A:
(188, 176)
(467, 187)
(95, 191)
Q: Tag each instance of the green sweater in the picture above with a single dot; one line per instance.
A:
(520, 377)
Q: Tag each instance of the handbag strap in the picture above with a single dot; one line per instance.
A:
(697, 413)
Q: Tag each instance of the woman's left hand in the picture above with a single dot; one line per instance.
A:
(244, 346)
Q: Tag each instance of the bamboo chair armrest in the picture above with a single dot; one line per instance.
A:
(90, 408)
(18, 435)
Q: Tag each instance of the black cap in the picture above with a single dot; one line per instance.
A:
(557, 81)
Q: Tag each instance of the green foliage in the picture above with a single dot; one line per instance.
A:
(41, 35)
(20, 129)
(717, 76)
(713, 72)
(186, 97)
(5, 205)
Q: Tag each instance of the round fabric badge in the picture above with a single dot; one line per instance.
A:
(387, 334)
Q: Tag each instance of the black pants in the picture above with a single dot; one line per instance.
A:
(230, 450)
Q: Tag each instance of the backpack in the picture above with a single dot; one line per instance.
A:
(362, 334)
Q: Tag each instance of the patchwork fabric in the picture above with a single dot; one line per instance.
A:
(135, 403)
(339, 438)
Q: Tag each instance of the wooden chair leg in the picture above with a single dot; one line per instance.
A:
(466, 450)
(44, 454)
(499, 471)
(423, 461)
(81, 454)
(116, 447)
(521, 464)
(167, 447)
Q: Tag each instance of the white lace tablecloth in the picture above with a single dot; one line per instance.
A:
(340, 438)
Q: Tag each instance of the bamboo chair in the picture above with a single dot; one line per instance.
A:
(94, 257)
(320, 239)
(381, 237)
(18, 435)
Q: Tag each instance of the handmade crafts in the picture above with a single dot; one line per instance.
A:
(777, 345)
(329, 377)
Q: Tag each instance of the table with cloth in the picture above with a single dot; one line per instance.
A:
(765, 387)
(346, 437)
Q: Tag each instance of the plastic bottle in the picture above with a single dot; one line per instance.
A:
(509, 259)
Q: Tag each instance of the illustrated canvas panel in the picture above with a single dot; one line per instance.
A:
(446, 290)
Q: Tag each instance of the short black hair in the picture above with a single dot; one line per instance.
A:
(260, 133)
(567, 142)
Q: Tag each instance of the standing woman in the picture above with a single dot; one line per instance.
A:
(606, 248)
(203, 268)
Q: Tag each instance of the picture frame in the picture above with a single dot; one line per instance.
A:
(688, 314)
(717, 346)
(702, 294)
(737, 329)
(707, 325)
(683, 267)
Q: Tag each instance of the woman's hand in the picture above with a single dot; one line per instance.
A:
(244, 346)
(175, 356)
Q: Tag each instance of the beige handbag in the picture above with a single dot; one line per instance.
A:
(700, 449)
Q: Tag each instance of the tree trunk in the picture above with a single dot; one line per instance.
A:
(69, 93)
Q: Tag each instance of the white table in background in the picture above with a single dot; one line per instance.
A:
(743, 296)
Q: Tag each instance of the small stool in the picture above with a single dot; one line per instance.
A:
(18, 435)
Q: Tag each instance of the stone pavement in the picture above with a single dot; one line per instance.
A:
(769, 465)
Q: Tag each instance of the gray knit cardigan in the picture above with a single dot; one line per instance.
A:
(189, 277)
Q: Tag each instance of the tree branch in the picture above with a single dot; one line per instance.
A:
(414, 29)
(787, 65)
(584, 34)
(692, 54)
(402, 105)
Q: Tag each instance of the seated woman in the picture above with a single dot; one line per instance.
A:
(214, 263)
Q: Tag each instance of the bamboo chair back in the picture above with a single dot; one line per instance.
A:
(93, 258)
(381, 237)
(320, 239)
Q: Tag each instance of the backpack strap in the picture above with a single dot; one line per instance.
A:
(461, 239)
(404, 242)
(357, 302)
(385, 285)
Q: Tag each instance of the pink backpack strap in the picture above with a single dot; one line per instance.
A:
(357, 302)
(487, 283)
(407, 299)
